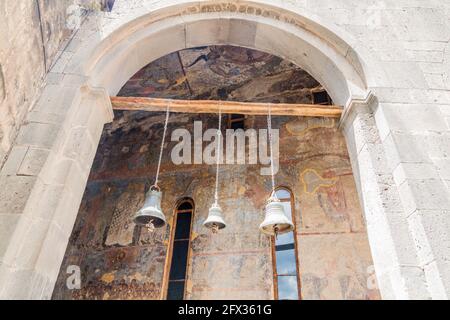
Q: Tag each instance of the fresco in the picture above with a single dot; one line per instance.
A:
(119, 260)
(222, 73)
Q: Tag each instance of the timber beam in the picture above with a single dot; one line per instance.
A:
(227, 107)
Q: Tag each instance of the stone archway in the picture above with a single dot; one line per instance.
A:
(70, 116)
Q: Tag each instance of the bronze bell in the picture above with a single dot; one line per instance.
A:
(151, 214)
(276, 221)
(215, 220)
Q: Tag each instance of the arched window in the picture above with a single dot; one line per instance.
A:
(179, 251)
(285, 255)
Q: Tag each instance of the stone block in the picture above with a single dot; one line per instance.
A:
(22, 284)
(437, 287)
(404, 251)
(436, 232)
(26, 243)
(413, 118)
(372, 157)
(53, 78)
(445, 110)
(52, 252)
(14, 193)
(66, 211)
(95, 124)
(413, 279)
(44, 117)
(403, 148)
(419, 235)
(207, 31)
(44, 200)
(438, 145)
(404, 75)
(424, 194)
(416, 171)
(435, 81)
(242, 33)
(15, 158)
(62, 61)
(443, 167)
(41, 135)
(33, 162)
(56, 99)
(79, 146)
(8, 224)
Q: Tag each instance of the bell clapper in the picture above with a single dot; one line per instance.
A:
(150, 226)
(275, 231)
(215, 229)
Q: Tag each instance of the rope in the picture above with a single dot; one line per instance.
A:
(218, 152)
(162, 144)
(269, 127)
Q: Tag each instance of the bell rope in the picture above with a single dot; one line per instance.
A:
(269, 128)
(162, 145)
(218, 153)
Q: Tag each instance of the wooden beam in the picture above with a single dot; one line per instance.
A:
(228, 107)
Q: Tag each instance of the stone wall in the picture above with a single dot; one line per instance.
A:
(33, 33)
(121, 261)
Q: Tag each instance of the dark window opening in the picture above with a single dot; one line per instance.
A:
(180, 251)
(236, 121)
(285, 256)
(321, 97)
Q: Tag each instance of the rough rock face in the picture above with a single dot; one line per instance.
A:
(119, 260)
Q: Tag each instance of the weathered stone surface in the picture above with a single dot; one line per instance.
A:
(33, 162)
(14, 193)
(31, 36)
(8, 223)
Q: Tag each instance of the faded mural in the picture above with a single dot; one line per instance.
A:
(119, 260)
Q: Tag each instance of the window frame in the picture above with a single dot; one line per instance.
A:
(169, 255)
(273, 249)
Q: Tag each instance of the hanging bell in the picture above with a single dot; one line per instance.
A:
(215, 220)
(276, 221)
(151, 214)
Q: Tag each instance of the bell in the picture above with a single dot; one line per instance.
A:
(151, 214)
(215, 220)
(276, 221)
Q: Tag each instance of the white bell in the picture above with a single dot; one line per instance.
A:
(215, 220)
(151, 213)
(276, 221)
